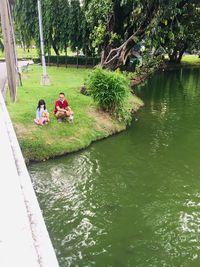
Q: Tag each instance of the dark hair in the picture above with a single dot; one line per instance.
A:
(62, 93)
(41, 102)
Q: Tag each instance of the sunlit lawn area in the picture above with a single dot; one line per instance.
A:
(21, 53)
(191, 60)
(42, 142)
(32, 53)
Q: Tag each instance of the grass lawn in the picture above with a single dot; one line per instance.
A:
(33, 53)
(54, 139)
(21, 53)
(191, 60)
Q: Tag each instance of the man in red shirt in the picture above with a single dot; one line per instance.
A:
(62, 109)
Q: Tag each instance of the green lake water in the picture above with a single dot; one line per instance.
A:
(132, 200)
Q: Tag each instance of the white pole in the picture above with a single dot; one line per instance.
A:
(45, 80)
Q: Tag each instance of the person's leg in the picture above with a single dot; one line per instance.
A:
(69, 114)
(36, 121)
(69, 111)
(60, 115)
(41, 121)
(71, 118)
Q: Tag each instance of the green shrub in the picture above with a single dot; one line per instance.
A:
(111, 90)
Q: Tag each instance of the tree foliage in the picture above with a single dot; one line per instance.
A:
(26, 22)
(112, 28)
(133, 22)
(176, 33)
(75, 20)
(55, 24)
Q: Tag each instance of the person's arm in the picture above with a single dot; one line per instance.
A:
(60, 109)
(68, 108)
(37, 114)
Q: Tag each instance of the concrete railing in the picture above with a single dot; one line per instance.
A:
(24, 239)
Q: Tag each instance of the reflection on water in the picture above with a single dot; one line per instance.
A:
(66, 187)
(132, 200)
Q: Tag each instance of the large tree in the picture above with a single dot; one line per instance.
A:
(176, 34)
(26, 22)
(75, 34)
(55, 22)
(86, 29)
(112, 27)
(131, 22)
(96, 14)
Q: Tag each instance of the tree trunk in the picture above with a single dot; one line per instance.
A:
(176, 56)
(49, 54)
(115, 24)
(113, 58)
(118, 56)
(65, 56)
(182, 52)
(173, 57)
(86, 59)
(56, 50)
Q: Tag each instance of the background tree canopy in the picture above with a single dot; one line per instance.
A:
(112, 28)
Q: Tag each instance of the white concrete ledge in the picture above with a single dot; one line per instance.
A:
(24, 240)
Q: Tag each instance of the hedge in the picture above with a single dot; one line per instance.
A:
(63, 60)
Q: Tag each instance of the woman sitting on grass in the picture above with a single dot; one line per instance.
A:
(42, 115)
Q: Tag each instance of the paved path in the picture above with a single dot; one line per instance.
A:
(3, 72)
(24, 240)
(3, 76)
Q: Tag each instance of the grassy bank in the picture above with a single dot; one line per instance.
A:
(187, 61)
(54, 139)
(190, 60)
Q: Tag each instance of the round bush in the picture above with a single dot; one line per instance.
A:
(110, 90)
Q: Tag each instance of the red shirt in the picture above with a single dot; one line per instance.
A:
(63, 104)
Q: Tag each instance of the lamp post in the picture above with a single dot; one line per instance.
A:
(44, 79)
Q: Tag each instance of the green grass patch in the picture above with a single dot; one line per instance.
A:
(191, 60)
(43, 142)
(33, 53)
